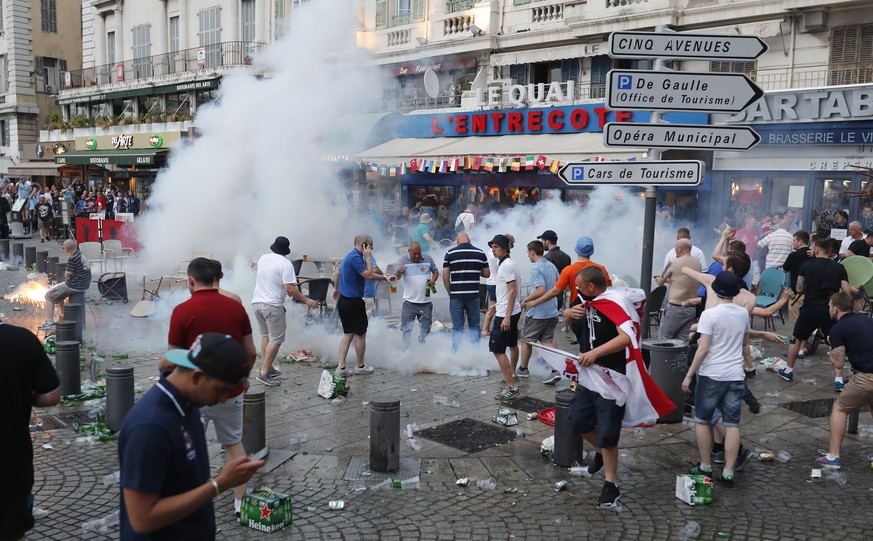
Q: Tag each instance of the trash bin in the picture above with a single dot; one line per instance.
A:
(668, 363)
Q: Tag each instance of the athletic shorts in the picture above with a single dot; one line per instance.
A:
(589, 411)
(271, 321)
(811, 318)
(538, 330)
(227, 418)
(353, 315)
(500, 339)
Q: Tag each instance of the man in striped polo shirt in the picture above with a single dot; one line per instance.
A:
(462, 267)
(779, 243)
(77, 279)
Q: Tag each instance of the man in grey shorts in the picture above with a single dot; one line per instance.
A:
(538, 324)
(276, 280)
(678, 317)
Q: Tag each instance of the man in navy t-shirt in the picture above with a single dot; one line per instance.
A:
(166, 488)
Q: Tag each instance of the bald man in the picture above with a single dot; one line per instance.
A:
(463, 265)
(678, 318)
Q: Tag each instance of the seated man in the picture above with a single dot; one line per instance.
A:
(77, 279)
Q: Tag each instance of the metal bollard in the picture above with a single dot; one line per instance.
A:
(567, 444)
(67, 365)
(853, 423)
(384, 434)
(75, 312)
(254, 419)
(60, 269)
(41, 260)
(29, 256)
(17, 253)
(51, 268)
(119, 395)
(65, 331)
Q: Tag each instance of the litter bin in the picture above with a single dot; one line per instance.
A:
(668, 363)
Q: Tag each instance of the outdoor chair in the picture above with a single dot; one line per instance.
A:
(653, 306)
(94, 253)
(317, 290)
(769, 290)
(117, 252)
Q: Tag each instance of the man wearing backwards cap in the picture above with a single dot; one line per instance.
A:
(166, 488)
(724, 331)
(507, 312)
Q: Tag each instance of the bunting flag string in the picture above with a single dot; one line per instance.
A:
(481, 164)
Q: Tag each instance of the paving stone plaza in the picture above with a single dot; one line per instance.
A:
(771, 500)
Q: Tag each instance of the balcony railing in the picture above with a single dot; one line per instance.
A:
(453, 6)
(225, 54)
(403, 18)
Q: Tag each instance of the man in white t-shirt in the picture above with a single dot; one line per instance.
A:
(507, 311)
(419, 273)
(855, 232)
(696, 253)
(724, 331)
(491, 290)
(466, 219)
(275, 281)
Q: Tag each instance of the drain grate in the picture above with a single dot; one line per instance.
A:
(48, 423)
(468, 435)
(528, 404)
(61, 420)
(815, 409)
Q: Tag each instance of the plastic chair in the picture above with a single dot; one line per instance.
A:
(117, 252)
(383, 293)
(653, 306)
(93, 253)
(770, 287)
(317, 291)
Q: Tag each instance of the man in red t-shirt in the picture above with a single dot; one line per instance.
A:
(209, 311)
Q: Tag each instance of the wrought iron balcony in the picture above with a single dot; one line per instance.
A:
(453, 6)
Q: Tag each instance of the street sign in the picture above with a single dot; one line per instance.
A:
(685, 46)
(660, 173)
(647, 90)
(700, 137)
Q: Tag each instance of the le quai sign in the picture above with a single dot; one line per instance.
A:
(521, 95)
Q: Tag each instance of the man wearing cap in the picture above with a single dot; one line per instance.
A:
(507, 311)
(208, 310)
(463, 265)
(422, 233)
(166, 487)
(718, 363)
(355, 269)
(275, 281)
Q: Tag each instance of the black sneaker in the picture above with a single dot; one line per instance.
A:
(608, 496)
(754, 405)
(596, 464)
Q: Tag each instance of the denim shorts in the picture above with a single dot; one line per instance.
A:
(492, 292)
(726, 396)
(589, 410)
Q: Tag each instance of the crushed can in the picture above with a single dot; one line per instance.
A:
(767, 456)
(694, 489)
(560, 485)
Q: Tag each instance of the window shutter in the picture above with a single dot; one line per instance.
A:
(418, 8)
(518, 73)
(381, 14)
(62, 64)
(569, 69)
(40, 79)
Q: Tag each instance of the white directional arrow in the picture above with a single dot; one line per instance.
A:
(660, 173)
(684, 46)
(646, 90)
(692, 136)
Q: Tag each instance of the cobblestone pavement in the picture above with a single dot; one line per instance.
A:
(770, 501)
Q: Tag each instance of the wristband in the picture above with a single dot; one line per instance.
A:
(215, 486)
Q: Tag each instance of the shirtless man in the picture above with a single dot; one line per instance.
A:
(677, 319)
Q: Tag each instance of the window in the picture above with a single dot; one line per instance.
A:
(4, 80)
(142, 50)
(210, 34)
(110, 48)
(851, 60)
(747, 68)
(279, 19)
(174, 34)
(518, 74)
(248, 21)
(381, 14)
(49, 16)
(599, 68)
(4, 133)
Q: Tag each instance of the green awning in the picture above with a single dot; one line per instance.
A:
(175, 88)
(137, 156)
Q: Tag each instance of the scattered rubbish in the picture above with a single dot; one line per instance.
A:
(410, 429)
(560, 485)
(95, 431)
(691, 530)
(766, 456)
(519, 434)
(365, 473)
(120, 356)
(300, 355)
(311, 509)
(297, 439)
(838, 477)
(463, 481)
(505, 417)
(112, 478)
(97, 413)
(414, 444)
(444, 401)
(338, 400)
(694, 489)
(771, 394)
(413, 483)
(336, 504)
(688, 420)
(807, 363)
(640, 433)
(579, 471)
(385, 484)
(512, 490)
(96, 392)
(756, 352)
(483, 392)
(547, 447)
(39, 513)
(532, 416)
(37, 425)
(101, 525)
(774, 363)
(722, 535)
(783, 456)
(808, 381)
(487, 484)
(865, 431)
(365, 402)
(47, 446)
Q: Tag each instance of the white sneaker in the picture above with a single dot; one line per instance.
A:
(344, 372)
(361, 370)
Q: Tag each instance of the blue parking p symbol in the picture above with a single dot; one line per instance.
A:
(578, 173)
(625, 82)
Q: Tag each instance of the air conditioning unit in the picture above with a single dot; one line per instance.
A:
(814, 21)
(49, 90)
(502, 83)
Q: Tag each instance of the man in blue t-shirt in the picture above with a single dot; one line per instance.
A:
(355, 269)
(539, 322)
(851, 338)
(166, 487)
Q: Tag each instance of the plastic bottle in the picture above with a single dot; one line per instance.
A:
(441, 399)
(691, 530)
(414, 443)
(338, 400)
(783, 456)
(579, 471)
(336, 504)
(413, 483)
(838, 477)
(487, 484)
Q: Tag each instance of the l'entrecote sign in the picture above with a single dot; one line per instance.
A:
(810, 105)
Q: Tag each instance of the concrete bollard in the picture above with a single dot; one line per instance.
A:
(384, 434)
(65, 331)
(29, 257)
(41, 260)
(17, 253)
(254, 419)
(567, 444)
(75, 312)
(67, 365)
(119, 395)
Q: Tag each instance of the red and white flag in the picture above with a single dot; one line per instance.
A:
(643, 400)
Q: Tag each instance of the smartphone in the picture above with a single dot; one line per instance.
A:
(261, 455)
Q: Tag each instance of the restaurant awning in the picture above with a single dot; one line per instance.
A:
(138, 156)
(39, 169)
(555, 146)
(546, 54)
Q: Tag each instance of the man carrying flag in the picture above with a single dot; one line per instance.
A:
(614, 388)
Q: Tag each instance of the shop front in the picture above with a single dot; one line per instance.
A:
(815, 145)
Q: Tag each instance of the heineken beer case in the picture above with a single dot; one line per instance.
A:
(265, 510)
(694, 489)
(332, 385)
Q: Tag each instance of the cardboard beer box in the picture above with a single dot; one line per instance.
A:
(332, 385)
(505, 417)
(265, 510)
(694, 489)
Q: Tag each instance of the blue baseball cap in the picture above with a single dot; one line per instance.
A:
(217, 355)
(585, 246)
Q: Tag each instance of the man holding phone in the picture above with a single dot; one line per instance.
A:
(166, 487)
